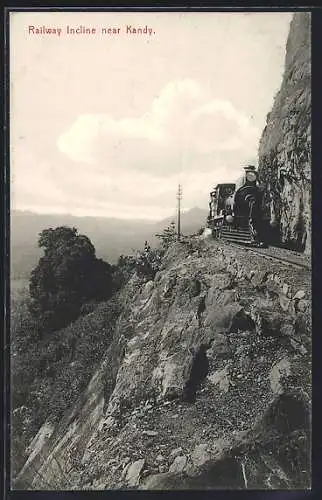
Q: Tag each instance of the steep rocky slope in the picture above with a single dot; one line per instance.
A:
(206, 383)
(285, 146)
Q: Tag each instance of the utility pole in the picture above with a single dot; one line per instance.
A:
(179, 197)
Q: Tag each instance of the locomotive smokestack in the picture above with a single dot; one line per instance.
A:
(249, 168)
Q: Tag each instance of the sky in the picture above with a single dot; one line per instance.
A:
(105, 124)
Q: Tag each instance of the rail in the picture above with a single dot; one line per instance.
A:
(293, 260)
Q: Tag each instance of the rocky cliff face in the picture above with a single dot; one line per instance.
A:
(285, 146)
(206, 383)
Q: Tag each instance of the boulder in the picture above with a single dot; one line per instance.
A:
(175, 453)
(133, 472)
(278, 373)
(221, 318)
(179, 464)
(221, 379)
(201, 454)
(259, 278)
(300, 294)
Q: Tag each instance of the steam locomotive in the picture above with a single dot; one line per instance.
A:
(236, 211)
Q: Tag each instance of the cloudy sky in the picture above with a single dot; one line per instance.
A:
(107, 125)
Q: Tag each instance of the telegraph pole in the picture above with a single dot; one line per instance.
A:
(179, 197)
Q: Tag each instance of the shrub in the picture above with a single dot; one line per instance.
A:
(148, 262)
(168, 236)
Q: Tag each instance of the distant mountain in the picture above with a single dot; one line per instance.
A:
(191, 220)
(110, 236)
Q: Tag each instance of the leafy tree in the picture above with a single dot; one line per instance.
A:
(66, 277)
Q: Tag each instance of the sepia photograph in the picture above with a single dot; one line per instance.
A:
(160, 250)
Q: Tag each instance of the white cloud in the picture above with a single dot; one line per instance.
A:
(130, 167)
(180, 118)
(175, 98)
(173, 103)
(78, 141)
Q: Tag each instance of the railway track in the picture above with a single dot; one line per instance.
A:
(277, 254)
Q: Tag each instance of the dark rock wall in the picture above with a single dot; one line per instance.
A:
(285, 145)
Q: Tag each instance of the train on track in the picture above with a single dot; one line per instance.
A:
(237, 212)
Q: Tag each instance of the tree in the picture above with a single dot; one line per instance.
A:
(123, 270)
(147, 263)
(168, 236)
(66, 277)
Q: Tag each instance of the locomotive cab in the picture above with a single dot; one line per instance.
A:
(221, 204)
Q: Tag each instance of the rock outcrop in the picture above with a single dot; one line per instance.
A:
(206, 383)
(285, 146)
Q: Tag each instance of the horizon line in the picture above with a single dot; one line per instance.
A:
(97, 216)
